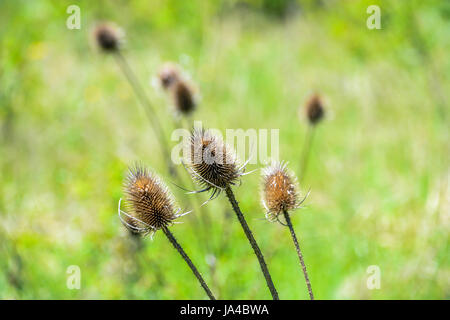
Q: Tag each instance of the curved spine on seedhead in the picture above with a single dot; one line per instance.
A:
(132, 224)
(279, 191)
(108, 37)
(211, 163)
(149, 204)
(314, 109)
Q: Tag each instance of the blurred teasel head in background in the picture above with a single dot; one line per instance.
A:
(279, 190)
(108, 37)
(183, 98)
(168, 75)
(314, 109)
(182, 92)
(149, 203)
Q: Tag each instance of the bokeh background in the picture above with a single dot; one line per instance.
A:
(378, 171)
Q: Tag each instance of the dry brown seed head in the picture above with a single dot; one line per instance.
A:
(212, 163)
(183, 97)
(148, 199)
(108, 37)
(279, 190)
(314, 109)
(169, 75)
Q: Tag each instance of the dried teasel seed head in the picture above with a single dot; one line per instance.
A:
(149, 203)
(212, 163)
(183, 97)
(108, 37)
(279, 190)
(314, 109)
(182, 92)
(168, 75)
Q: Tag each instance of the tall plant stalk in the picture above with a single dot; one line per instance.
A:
(186, 258)
(299, 253)
(253, 242)
(148, 108)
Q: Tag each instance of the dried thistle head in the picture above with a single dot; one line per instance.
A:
(169, 75)
(108, 37)
(149, 203)
(279, 190)
(183, 97)
(212, 163)
(314, 109)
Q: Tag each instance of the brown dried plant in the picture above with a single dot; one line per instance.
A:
(151, 207)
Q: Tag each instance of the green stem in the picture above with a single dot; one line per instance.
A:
(148, 108)
(299, 253)
(186, 258)
(253, 243)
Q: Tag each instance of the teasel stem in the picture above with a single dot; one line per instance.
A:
(252, 241)
(306, 150)
(299, 253)
(186, 258)
(149, 110)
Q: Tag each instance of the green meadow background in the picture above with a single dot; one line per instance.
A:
(378, 171)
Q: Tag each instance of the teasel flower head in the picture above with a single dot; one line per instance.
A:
(183, 97)
(183, 94)
(314, 109)
(212, 164)
(168, 75)
(279, 191)
(149, 204)
(108, 37)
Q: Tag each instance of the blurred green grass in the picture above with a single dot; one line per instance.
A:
(70, 126)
